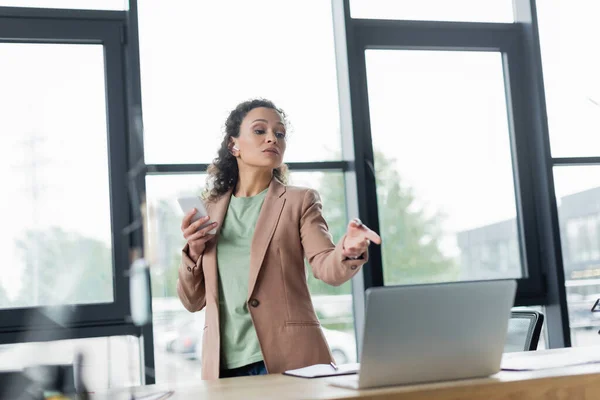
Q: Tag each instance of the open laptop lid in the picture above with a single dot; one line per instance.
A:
(434, 332)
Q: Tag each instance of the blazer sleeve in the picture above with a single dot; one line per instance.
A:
(325, 258)
(190, 285)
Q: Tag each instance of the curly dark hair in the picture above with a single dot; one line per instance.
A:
(223, 172)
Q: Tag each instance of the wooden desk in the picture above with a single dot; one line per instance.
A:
(572, 383)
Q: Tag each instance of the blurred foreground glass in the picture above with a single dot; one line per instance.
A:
(108, 362)
(56, 236)
(443, 166)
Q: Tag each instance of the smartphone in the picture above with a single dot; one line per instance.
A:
(187, 203)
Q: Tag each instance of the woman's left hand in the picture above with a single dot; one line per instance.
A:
(358, 238)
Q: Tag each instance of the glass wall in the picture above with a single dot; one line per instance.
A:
(178, 333)
(445, 187)
(568, 35)
(443, 159)
(200, 59)
(56, 237)
(578, 198)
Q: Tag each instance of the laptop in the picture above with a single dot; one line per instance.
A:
(437, 332)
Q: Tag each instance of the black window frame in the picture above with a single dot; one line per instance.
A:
(518, 42)
(106, 28)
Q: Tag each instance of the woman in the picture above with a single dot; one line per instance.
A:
(250, 275)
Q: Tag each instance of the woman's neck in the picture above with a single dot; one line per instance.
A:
(252, 182)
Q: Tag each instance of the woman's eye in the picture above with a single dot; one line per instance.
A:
(259, 131)
(280, 135)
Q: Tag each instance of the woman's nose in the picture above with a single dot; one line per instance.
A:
(271, 137)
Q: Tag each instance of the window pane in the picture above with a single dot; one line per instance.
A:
(434, 10)
(332, 304)
(108, 362)
(72, 4)
(443, 164)
(56, 246)
(568, 30)
(177, 333)
(578, 200)
(200, 59)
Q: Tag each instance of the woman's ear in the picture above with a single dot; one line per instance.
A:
(233, 148)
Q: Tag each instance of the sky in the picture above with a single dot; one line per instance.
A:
(441, 115)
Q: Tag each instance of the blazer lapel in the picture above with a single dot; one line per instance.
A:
(264, 229)
(217, 211)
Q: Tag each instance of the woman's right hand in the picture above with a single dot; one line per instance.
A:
(196, 239)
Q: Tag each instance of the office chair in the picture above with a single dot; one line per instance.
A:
(524, 329)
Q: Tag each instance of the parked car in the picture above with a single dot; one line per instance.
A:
(342, 345)
(187, 336)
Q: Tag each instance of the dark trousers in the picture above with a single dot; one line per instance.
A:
(257, 368)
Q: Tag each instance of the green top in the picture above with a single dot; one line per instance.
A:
(239, 343)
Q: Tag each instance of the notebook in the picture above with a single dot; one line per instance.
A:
(321, 370)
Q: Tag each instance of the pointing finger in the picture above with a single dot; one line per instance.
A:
(372, 236)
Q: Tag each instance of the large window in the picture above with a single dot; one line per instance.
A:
(569, 32)
(568, 36)
(55, 166)
(442, 148)
(194, 70)
(63, 157)
(63, 167)
(200, 59)
(178, 333)
(578, 199)
(333, 305)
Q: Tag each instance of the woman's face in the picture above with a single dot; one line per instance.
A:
(261, 142)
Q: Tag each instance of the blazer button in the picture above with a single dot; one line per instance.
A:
(353, 266)
(190, 269)
(254, 303)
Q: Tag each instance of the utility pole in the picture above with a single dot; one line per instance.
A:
(31, 167)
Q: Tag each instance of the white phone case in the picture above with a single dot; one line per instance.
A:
(187, 203)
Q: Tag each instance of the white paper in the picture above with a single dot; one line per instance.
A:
(318, 370)
(546, 361)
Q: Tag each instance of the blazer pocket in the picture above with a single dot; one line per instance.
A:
(302, 323)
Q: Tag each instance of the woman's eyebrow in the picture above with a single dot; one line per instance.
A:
(266, 122)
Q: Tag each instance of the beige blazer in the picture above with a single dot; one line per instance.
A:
(290, 227)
